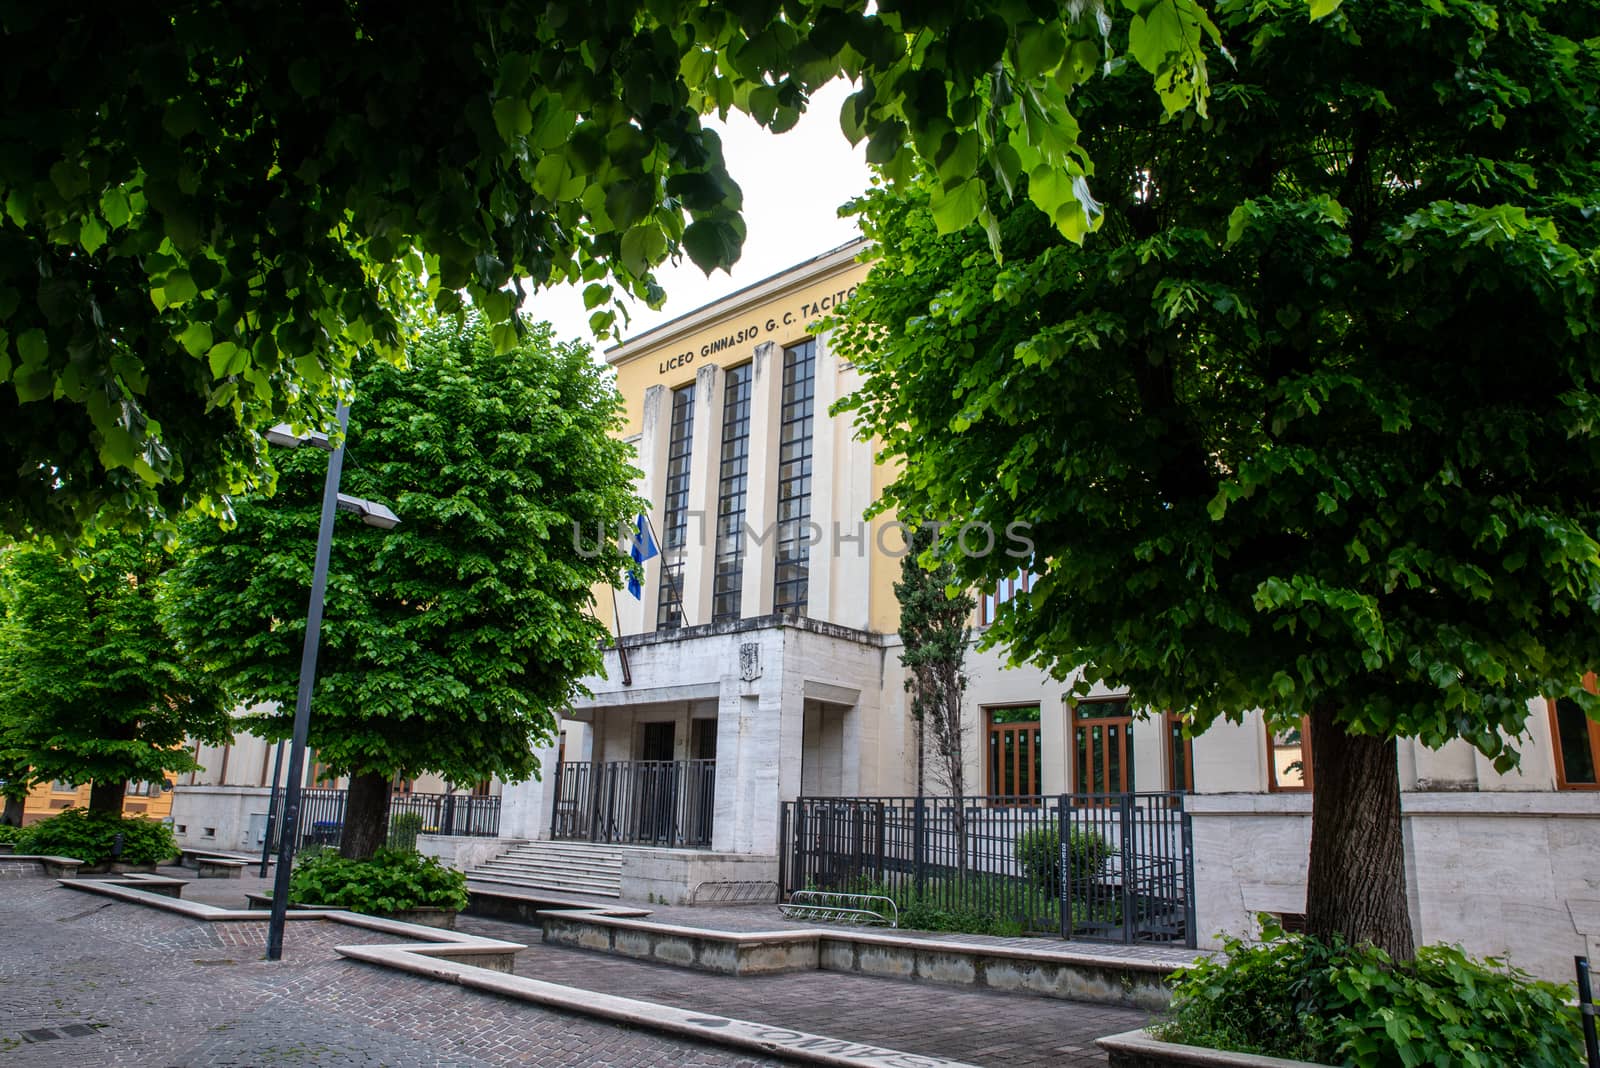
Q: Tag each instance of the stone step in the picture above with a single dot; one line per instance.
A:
(542, 863)
(563, 850)
(577, 887)
(548, 870)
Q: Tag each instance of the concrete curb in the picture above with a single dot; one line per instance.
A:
(700, 1027)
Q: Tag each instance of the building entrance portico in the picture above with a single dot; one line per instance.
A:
(686, 769)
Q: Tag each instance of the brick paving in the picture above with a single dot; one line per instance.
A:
(978, 1026)
(86, 982)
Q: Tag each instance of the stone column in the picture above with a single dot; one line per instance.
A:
(526, 807)
(826, 489)
(761, 486)
(705, 456)
(760, 721)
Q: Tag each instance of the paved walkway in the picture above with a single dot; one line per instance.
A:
(978, 1026)
(86, 982)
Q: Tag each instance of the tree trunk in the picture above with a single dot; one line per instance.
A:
(366, 816)
(107, 797)
(13, 813)
(1356, 886)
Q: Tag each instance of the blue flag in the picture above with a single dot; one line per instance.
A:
(642, 549)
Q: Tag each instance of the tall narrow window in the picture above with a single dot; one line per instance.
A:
(1180, 756)
(1009, 589)
(728, 583)
(1577, 746)
(1014, 754)
(1104, 757)
(675, 518)
(1289, 758)
(793, 559)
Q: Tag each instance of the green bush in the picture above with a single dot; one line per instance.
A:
(91, 836)
(9, 833)
(394, 880)
(1293, 996)
(1039, 853)
(403, 830)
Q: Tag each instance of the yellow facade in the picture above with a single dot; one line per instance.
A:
(784, 310)
(47, 799)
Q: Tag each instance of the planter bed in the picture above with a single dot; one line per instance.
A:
(444, 919)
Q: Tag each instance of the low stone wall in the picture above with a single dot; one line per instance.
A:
(1123, 982)
(670, 876)
(685, 947)
(1130, 983)
(26, 866)
(461, 852)
(1500, 873)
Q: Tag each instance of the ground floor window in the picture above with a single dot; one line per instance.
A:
(1577, 745)
(1180, 755)
(1289, 757)
(1014, 752)
(1101, 745)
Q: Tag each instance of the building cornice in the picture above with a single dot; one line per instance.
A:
(831, 262)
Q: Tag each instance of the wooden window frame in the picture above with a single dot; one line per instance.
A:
(991, 764)
(1306, 785)
(1171, 720)
(1129, 780)
(1559, 754)
(1007, 590)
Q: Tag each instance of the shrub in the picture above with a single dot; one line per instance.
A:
(394, 880)
(9, 833)
(1039, 853)
(403, 830)
(1293, 996)
(91, 838)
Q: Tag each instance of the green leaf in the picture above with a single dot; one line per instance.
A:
(91, 234)
(712, 243)
(957, 208)
(226, 358)
(1321, 9)
(512, 118)
(196, 339)
(178, 288)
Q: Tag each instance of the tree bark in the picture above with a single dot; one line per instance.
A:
(13, 812)
(107, 797)
(1356, 885)
(366, 816)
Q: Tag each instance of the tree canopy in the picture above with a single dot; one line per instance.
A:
(1310, 424)
(198, 237)
(92, 688)
(450, 641)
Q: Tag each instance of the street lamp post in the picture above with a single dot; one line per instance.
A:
(376, 515)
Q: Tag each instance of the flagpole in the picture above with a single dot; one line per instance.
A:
(677, 594)
(622, 652)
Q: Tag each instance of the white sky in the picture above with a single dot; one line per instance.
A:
(793, 185)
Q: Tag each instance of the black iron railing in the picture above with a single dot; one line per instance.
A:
(1105, 867)
(322, 817)
(664, 803)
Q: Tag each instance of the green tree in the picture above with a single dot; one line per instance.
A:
(92, 688)
(1310, 425)
(934, 629)
(451, 640)
(198, 237)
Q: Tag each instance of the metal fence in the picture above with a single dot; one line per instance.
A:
(665, 803)
(321, 818)
(1099, 867)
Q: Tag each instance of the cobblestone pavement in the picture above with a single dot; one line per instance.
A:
(979, 1026)
(86, 982)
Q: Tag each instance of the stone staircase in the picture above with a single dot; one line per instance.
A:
(572, 867)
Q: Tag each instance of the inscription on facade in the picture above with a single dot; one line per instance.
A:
(802, 313)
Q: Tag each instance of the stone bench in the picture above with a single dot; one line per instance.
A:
(18, 865)
(219, 868)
